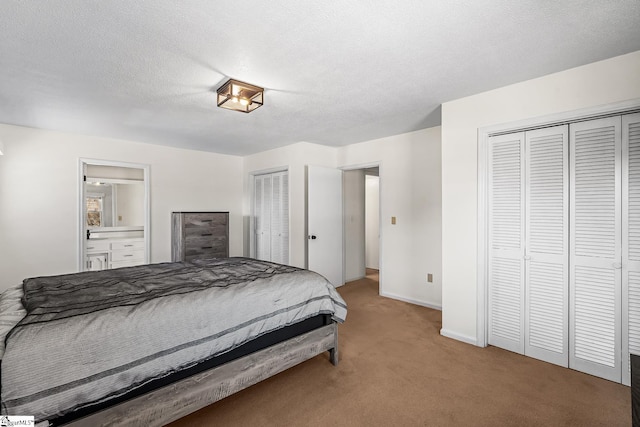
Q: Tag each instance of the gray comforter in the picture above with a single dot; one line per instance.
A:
(89, 337)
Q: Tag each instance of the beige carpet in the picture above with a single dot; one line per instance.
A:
(397, 370)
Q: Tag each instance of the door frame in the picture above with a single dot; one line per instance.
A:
(251, 225)
(612, 109)
(82, 161)
(359, 166)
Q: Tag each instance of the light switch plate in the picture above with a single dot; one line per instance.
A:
(393, 220)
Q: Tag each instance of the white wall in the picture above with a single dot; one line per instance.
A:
(354, 228)
(603, 82)
(295, 158)
(372, 222)
(410, 190)
(36, 239)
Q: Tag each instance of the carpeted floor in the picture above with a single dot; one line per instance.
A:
(397, 370)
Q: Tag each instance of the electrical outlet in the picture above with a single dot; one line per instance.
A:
(430, 278)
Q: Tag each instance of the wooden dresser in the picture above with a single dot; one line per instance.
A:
(199, 235)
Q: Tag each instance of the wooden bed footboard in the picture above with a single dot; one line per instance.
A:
(174, 401)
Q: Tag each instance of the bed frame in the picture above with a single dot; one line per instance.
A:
(176, 400)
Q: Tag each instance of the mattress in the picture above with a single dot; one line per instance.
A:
(254, 345)
(92, 337)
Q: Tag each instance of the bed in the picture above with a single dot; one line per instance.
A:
(149, 344)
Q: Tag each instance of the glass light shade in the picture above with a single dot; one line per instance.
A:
(239, 96)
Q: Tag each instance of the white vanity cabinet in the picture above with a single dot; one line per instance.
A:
(97, 255)
(97, 262)
(125, 253)
(105, 254)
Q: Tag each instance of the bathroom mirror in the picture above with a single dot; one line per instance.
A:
(114, 203)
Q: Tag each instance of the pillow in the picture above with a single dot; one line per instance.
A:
(11, 312)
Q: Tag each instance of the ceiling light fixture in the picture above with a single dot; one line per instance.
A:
(239, 96)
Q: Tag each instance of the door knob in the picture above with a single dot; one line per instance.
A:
(312, 237)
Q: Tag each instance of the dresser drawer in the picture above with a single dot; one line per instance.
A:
(205, 253)
(206, 243)
(127, 255)
(129, 263)
(206, 230)
(200, 238)
(127, 245)
(195, 220)
(97, 246)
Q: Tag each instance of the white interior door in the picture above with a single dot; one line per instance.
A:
(547, 251)
(506, 242)
(630, 241)
(595, 248)
(372, 222)
(324, 223)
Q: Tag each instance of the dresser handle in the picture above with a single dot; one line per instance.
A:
(128, 246)
(128, 255)
(207, 220)
(209, 234)
(207, 247)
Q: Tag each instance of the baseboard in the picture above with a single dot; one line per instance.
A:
(459, 337)
(411, 301)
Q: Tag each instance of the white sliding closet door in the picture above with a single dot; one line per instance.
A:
(547, 238)
(506, 242)
(595, 248)
(271, 217)
(630, 241)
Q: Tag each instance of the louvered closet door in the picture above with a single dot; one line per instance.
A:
(280, 218)
(284, 222)
(506, 242)
(596, 248)
(630, 241)
(262, 216)
(547, 255)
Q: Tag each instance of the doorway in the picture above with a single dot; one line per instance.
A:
(372, 221)
(362, 223)
(114, 215)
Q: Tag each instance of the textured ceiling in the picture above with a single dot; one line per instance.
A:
(336, 72)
